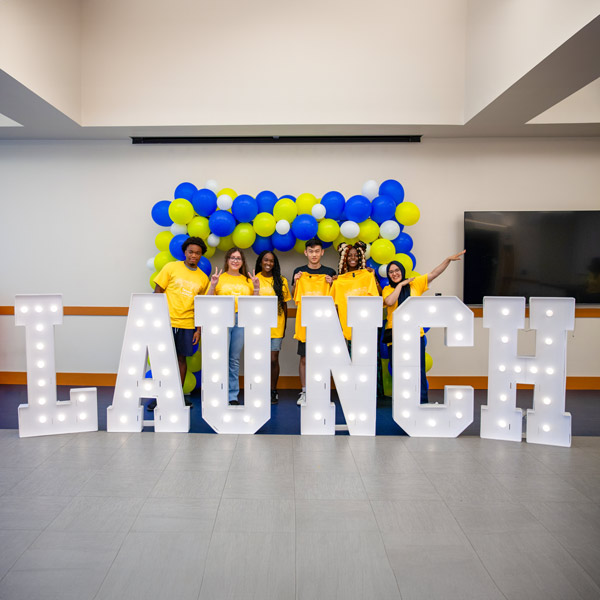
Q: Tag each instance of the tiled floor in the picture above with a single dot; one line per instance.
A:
(177, 516)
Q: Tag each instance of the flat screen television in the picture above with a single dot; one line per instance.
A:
(541, 253)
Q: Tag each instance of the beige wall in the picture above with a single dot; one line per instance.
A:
(76, 219)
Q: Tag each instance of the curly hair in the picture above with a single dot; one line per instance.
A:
(344, 249)
(277, 280)
(243, 268)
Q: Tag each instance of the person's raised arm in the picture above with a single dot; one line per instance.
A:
(213, 282)
(393, 297)
(255, 283)
(443, 266)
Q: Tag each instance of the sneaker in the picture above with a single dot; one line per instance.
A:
(188, 402)
(274, 397)
(234, 403)
(151, 405)
(301, 398)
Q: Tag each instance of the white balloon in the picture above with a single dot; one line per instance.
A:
(368, 252)
(213, 240)
(383, 270)
(211, 184)
(389, 230)
(349, 229)
(150, 263)
(318, 211)
(177, 229)
(370, 189)
(224, 202)
(282, 227)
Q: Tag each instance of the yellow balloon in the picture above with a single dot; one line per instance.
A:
(181, 211)
(194, 362)
(198, 227)
(407, 213)
(285, 209)
(428, 361)
(328, 230)
(264, 224)
(152, 284)
(405, 261)
(382, 251)
(229, 192)
(369, 231)
(209, 251)
(300, 246)
(190, 382)
(243, 235)
(162, 258)
(162, 239)
(340, 238)
(225, 243)
(304, 203)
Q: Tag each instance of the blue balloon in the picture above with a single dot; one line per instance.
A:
(383, 282)
(148, 374)
(372, 264)
(384, 351)
(266, 201)
(261, 244)
(205, 266)
(425, 340)
(283, 243)
(160, 214)
(221, 223)
(382, 209)
(305, 227)
(204, 202)
(412, 257)
(325, 245)
(185, 190)
(334, 205)
(392, 188)
(390, 367)
(403, 243)
(244, 208)
(357, 209)
(288, 196)
(175, 246)
(426, 329)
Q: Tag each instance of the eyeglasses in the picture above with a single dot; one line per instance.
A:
(235, 259)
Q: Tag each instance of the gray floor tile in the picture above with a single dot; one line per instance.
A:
(451, 462)
(255, 515)
(585, 481)
(190, 484)
(438, 566)
(52, 481)
(198, 459)
(532, 565)
(269, 460)
(319, 443)
(399, 486)
(469, 488)
(329, 486)
(177, 514)
(99, 439)
(208, 441)
(139, 457)
(98, 514)
(12, 545)
(385, 460)
(339, 460)
(10, 477)
(528, 486)
(259, 485)
(74, 456)
(495, 518)
(341, 515)
(343, 565)
(250, 565)
(31, 513)
(157, 566)
(127, 484)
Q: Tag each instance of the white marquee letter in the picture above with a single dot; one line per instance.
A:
(257, 314)
(326, 352)
(547, 423)
(429, 420)
(148, 334)
(44, 415)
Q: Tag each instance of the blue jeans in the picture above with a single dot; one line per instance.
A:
(236, 343)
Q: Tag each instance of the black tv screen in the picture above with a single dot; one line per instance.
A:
(542, 253)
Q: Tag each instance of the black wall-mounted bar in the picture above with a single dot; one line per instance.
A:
(282, 139)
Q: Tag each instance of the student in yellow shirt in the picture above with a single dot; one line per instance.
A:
(399, 290)
(182, 281)
(234, 280)
(272, 283)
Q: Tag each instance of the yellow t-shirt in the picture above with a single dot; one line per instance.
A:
(234, 285)
(181, 286)
(417, 286)
(307, 285)
(266, 289)
(355, 283)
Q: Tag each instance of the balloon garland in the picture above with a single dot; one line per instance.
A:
(224, 219)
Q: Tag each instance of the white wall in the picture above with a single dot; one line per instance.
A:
(40, 47)
(76, 219)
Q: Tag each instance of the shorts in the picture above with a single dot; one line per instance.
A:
(183, 341)
(276, 344)
(301, 348)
